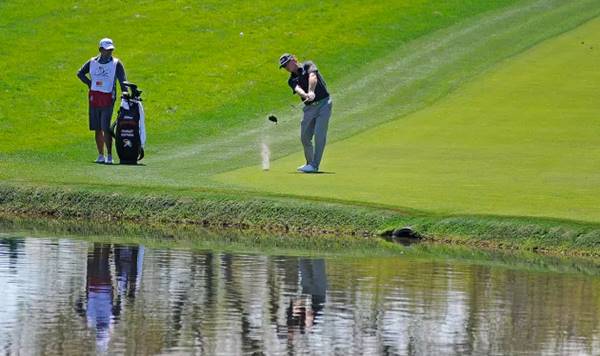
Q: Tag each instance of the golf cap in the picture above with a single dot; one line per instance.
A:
(284, 59)
(107, 44)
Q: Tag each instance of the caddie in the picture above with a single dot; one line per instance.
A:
(306, 81)
(104, 70)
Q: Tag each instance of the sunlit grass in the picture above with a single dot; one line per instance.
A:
(520, 140)
(199, 74)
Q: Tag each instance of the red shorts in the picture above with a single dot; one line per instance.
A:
(99, 99)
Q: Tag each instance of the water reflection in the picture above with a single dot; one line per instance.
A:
(10, 248)
(106, 294)
(305, 308)
(74, 297)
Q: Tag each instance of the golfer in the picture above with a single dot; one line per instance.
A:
(104, 70)
(306, 81)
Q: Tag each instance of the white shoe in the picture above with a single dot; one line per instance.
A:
(100, 159)
(309, 169)
(301, 168)
(108, 160)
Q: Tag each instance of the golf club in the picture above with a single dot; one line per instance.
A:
(274, 118)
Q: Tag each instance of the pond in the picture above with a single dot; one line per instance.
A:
(71, 295)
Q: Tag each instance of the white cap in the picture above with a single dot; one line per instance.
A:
(106, 43)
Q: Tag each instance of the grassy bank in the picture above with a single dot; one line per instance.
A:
(296, 216)
(216, 209)
(176, 236)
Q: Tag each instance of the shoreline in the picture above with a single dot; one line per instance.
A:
(278, 215)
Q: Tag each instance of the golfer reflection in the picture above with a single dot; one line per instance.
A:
(304, 310)
(103, 294)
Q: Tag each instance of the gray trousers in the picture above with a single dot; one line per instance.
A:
(315, 123)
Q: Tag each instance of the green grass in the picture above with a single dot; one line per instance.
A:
(198, 238)
(200, 76)
(232, 241)
(295, 217)
(208, 91)
(195, 128)
(521, 140)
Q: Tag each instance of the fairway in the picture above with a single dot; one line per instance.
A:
(520, 140)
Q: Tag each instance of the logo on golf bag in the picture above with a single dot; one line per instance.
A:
(127, 143)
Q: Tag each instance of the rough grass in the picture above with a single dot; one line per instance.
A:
(198, 208)
(298, 217)
(169, 236)
(197, 238)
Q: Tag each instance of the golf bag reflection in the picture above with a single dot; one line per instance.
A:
(129, 129)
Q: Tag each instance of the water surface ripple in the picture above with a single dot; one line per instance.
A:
(63, 296)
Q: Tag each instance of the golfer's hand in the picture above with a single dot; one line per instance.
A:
(310, 96)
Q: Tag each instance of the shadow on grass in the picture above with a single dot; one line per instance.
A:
(120, 165)
(321, 172)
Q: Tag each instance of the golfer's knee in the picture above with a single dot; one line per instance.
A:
(306, 139)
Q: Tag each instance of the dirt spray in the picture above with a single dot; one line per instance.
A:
(266, 156)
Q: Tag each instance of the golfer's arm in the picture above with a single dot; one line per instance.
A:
(312, 82)
(300, 91)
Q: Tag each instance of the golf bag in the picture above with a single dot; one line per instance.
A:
(129, 128)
